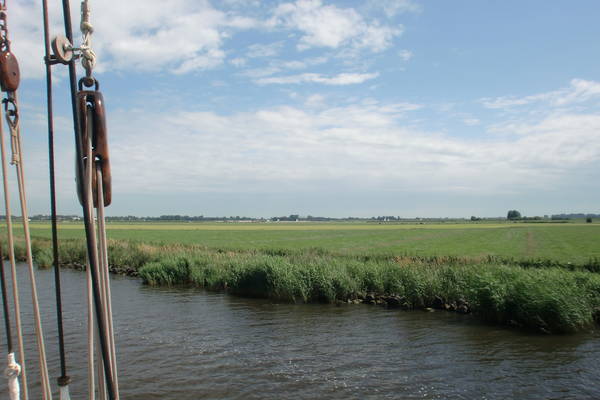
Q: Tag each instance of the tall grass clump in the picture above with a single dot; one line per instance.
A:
(540, 296)
(169, 271)
(549, 300)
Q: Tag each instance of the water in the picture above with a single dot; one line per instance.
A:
(189, 344)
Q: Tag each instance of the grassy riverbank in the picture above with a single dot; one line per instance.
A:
(543, 295)
(551, 299)
(544, 277)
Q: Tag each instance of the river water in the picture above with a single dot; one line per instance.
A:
(190, 344)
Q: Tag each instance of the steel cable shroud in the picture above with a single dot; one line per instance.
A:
(64, 379)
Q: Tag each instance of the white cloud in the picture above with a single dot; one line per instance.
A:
(361, 144)
(26, 35)
(139, 35)
(393, 7)
(314, 101)
(261, 72)
(578, 91)
(340, 79)
(275, 66)
(364, 144)
(135, 34)
(330, 26)
(263, 50)
(238, 62)
(405, 55)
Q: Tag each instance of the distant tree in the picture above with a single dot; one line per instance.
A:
(474, 218)
(513, 214)
(588, 220)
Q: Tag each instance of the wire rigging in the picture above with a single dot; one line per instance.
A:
(64, 379)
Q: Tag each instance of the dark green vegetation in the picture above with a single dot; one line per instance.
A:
(546, 299)
(513, 214)
(539, 276)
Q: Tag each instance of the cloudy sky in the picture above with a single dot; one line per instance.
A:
(381, 107)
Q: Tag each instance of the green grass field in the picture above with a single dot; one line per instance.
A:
(574, 242)
(541, 276)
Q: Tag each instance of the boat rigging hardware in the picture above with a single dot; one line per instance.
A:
(13, 369)
(9, 82)
(9, 72)
(65, 52)
(9, 67)
(90, 104)
(11, 113)
(91, 107)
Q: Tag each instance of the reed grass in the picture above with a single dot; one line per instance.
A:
(543, 295)
(547, 299)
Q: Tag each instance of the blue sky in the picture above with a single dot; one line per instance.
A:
(388, 107)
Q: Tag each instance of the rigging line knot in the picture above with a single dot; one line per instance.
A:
(86, 27)
(11, 110)
(14, 146)
(13, 369)
(88, 55)
(12, 372)
(16, 157)
(88, 60)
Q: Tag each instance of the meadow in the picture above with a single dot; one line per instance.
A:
(566, 242)
(540, 276)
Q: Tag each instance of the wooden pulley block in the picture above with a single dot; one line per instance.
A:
(9, 72)
(92, 122)
(62, 49)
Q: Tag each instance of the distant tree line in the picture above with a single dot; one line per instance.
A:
(512, 215)
(574, 216)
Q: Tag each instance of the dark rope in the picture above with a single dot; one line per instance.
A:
(64, 379)
(87, 218)
(5, 304)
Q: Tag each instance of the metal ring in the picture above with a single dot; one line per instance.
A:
(12, 115)
(88, 82)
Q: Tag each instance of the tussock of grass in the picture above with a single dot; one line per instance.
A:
(540, 295)
(549, 299)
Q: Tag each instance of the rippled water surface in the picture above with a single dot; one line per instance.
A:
(189, 344)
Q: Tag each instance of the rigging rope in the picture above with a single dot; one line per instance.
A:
(5, 49)
(91, 331)
(83, 101)
(93, 187)
(93, 137)
(13, 264)
(13, 369)
(88, 56)
(9, 80)
(13, 122)
(64, 379)
(5, 306)
(105, 273)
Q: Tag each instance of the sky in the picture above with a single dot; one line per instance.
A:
(328, 108)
